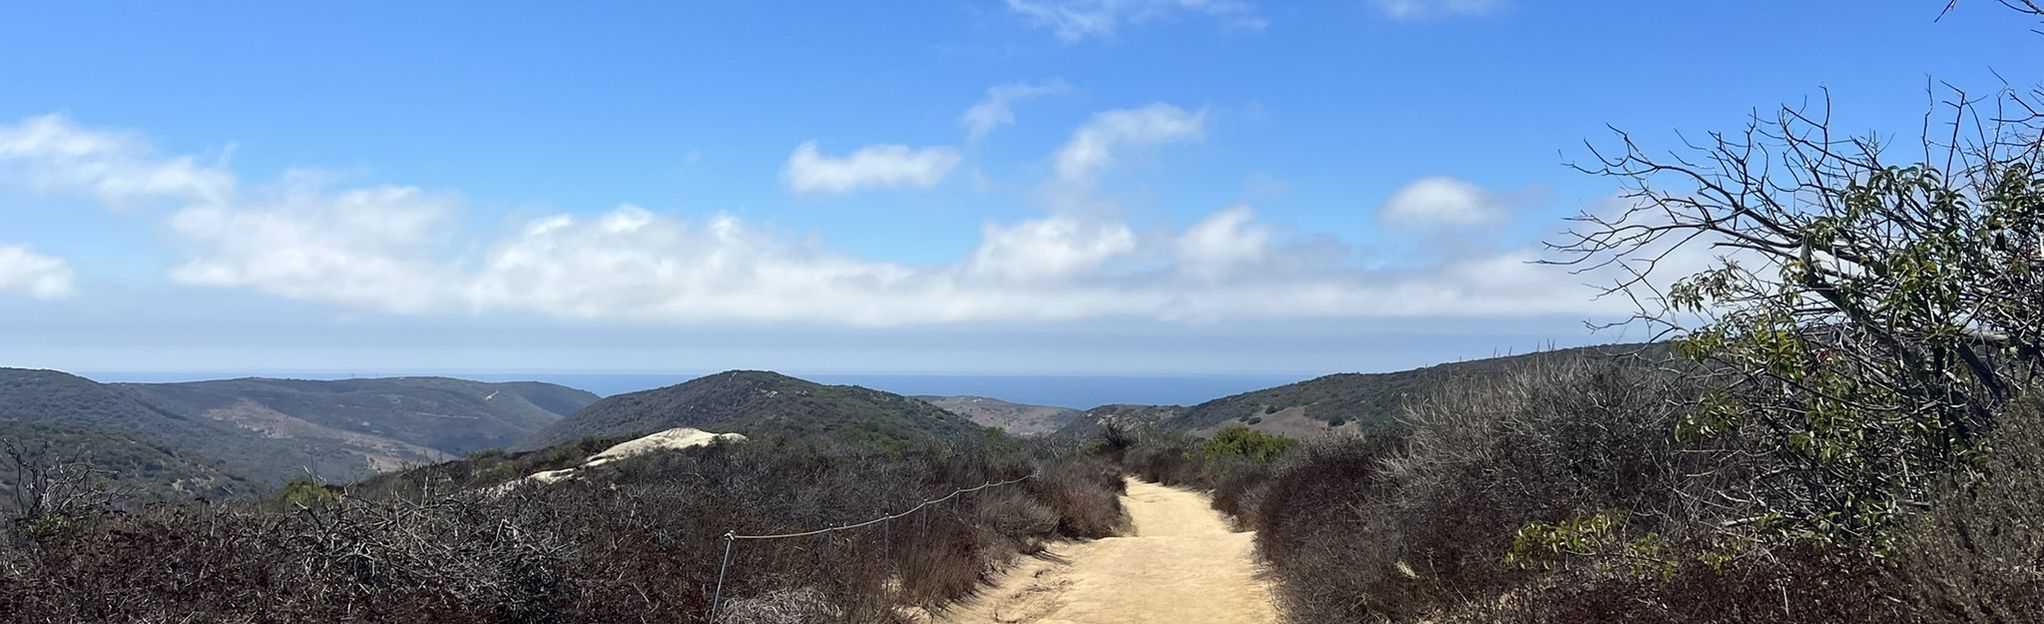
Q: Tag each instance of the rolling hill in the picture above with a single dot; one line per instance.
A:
(1014, 418)
(132, 468)
(389, 422)
(1343, 402)
(264, 432)
(43, 397)
(761, 405)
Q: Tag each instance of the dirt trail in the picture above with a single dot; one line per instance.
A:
(1180, 563)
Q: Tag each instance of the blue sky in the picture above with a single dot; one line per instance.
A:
(1147, 186)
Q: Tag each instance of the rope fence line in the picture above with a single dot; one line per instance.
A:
(732, 536)
(918, 507)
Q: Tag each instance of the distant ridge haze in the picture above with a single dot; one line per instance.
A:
(1075, 391)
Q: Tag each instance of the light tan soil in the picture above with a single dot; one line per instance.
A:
(1181, 563)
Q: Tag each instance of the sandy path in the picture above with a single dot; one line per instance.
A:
(1180, 563)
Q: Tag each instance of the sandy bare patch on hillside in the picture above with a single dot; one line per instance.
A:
(674, 439)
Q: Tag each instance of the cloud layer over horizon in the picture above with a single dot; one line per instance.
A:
(401, 250)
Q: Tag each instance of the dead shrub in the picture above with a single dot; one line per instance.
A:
(1573, 469)
(1564, 437)
(619, 545)
(784, 606)
(1085, 493)
(1018, 516)
(1329, 553)
(1238, 486)
(1164, 462)
(1789, 585)
(1977, 555)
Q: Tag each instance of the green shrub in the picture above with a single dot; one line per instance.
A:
(306, 492)
(1243, 442)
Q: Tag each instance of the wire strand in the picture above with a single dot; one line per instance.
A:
(885, 518)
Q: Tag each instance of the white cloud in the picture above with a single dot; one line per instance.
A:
(366, 247)
(638, 265)
(50, 154)
(1415, 9)
(810, 172)
(36, 275)
(997, 108)
(1077, 20)
(632, 263)
(1111, 135)
(1049, 248)
(1223, 243)
(394, 249)
(1443, 202)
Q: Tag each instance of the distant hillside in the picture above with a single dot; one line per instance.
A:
(761, 405)
(1014, 418)
(1344, 402)
(1089, 422)
(60, 399)
(390, 422)
(264, 432)
(136, 469)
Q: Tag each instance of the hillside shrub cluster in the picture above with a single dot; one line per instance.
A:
(1234, 465)
(1570, 490)
(637, 541)
(1560, 493)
